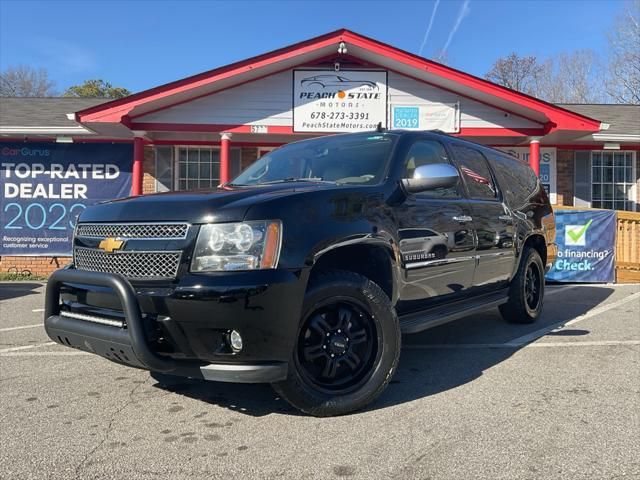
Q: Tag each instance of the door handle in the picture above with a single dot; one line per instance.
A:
(505, 218)
(463, 218)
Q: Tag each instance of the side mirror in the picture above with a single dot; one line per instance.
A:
(430, 177)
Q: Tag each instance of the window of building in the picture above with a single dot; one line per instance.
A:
(199, 167)
(476, 173)
(612, 180)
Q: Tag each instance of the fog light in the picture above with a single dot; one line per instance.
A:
(235, 340)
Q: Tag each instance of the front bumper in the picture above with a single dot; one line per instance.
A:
(180, 329)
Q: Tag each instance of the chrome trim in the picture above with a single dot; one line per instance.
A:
(90, 318)
(463, 218)
(442, 261)
(495, 254)
(134, 224)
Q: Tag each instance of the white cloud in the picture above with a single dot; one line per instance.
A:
(426, 34)
(464, 11)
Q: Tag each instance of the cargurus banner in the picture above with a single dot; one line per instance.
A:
(45, 186)
(586, 246)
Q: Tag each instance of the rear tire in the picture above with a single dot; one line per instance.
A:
(526, 294)
(347, 348)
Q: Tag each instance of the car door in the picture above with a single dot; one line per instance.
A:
(492, 220)
(436, 237)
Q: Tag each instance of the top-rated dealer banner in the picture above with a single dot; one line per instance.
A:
(45, 186)
(344, 101)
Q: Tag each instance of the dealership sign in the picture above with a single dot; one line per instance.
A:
(344, 101)
(586, 246)
(547, 166)
(442, 116)
(45, 186)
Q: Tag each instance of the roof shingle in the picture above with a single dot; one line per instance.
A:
(42, 112)
(623, 119)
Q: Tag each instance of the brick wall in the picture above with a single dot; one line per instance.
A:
(248, 155)
(33, 265)
(149, 169)
(564, 177)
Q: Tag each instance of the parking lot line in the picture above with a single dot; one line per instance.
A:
(476, 346)
(530, 337)
(26, 347)
(9, 329)
(553, 289)
(43, 354)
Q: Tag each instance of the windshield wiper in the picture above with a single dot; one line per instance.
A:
(296, 179)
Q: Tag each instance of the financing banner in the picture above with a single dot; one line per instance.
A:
(586, 246)
(344, 101)
(45, 186)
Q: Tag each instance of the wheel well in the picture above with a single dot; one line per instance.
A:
(538, 242)
(370, 261)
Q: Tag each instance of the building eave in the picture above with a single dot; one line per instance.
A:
(163, 96)
(44, 130)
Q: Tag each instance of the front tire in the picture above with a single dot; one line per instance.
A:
(526, 294)
(347, 348)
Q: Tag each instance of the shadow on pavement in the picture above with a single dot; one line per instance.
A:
(18, 289)
(425, 369)
(256, 400)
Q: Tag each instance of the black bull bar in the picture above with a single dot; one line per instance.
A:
(127, 344)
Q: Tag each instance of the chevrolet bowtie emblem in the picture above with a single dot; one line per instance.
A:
(110, 244)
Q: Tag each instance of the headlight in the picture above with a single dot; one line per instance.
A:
(237, 246)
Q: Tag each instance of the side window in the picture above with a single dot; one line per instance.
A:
(476, 173)
(517, 181)
(427, 152)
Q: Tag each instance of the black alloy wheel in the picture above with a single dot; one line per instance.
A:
(337, 345)
(533, 286)
(526, 292)
(347, 347)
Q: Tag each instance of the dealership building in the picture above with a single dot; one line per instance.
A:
(203, 130)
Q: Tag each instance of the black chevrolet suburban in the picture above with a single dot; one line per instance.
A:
(305, 269)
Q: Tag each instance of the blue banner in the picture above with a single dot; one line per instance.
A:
(45, 186)
(586, 246)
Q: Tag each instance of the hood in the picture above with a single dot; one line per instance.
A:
(227, 204)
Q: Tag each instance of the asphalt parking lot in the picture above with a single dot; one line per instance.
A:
(478, 398)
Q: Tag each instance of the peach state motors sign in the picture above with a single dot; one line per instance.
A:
(343, 101)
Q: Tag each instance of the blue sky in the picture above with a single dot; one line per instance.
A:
(144, 43)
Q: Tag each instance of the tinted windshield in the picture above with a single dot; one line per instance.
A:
(344, 159)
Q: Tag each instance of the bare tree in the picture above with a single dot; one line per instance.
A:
(516, 72)
(623, 82)
(571, 78)
(567, 78)
(23, 81)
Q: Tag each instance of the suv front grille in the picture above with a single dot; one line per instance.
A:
(161, 265)
(160, 231)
